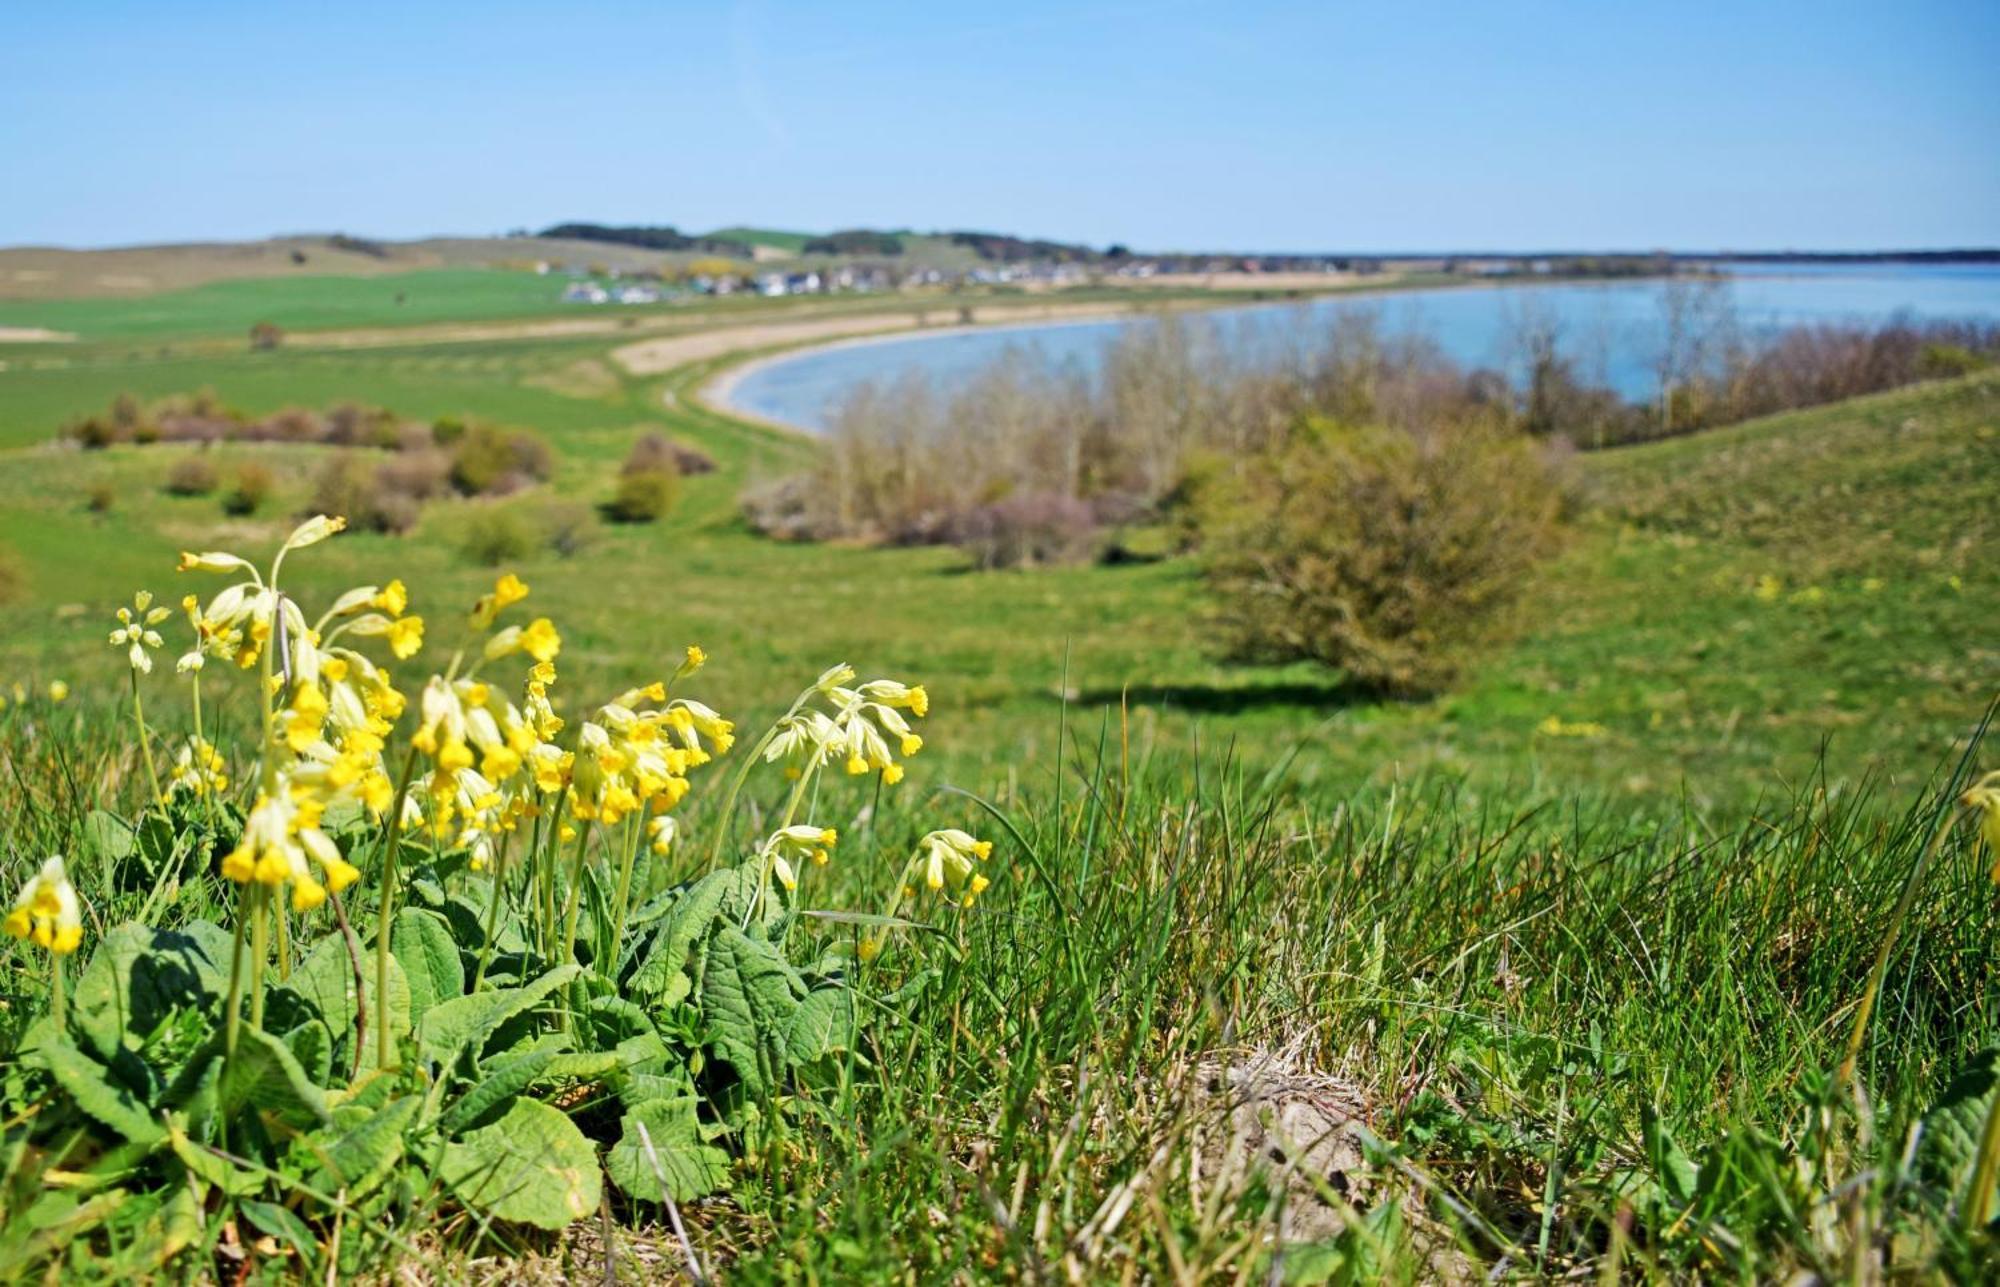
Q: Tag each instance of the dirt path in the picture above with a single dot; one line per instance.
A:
(653, 357)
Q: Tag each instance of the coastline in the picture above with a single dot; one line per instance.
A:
(714, 393)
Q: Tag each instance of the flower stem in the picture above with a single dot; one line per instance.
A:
(260, 946)
(575, 890)
(385, 910)
(145, 742)
(625, 890)
(232, 1019)
(59, 1006)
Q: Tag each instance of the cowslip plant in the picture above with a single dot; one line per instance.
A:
(514, 872)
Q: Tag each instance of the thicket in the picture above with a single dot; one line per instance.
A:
(392, 467)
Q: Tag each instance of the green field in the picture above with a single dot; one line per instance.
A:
(231, 308)
(1577, 943)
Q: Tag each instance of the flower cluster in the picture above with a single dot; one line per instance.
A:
(855, 726)
(328, 713)
(47, 911)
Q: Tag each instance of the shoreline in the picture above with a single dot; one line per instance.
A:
(713, 394)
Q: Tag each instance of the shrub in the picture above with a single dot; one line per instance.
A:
(496, 534)
(343, 486)
(567, 527)
(643, 496)
(655, 450)
(1376, 550)
(266, 335)
(192, 476)
(385, 496)
(98, 498)
(487, 460)
(1028, 530)
(249, 490)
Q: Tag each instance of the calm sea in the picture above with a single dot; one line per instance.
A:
(1611, 329)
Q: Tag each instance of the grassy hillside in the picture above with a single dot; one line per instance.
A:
(1729, 609)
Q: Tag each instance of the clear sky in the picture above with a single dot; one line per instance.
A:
(1235, 124)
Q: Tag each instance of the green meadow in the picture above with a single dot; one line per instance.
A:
(1547, 975)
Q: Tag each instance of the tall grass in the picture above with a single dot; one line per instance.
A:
(1547, 1034)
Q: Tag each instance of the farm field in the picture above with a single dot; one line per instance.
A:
(1550, 973)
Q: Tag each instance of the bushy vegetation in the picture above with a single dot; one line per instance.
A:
(192, 476)
(249, 487)
(1379, 551)
(649, 482)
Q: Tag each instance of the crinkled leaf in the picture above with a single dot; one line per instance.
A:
(263, 1074)
(661, 1150)
(464, 1023)
(750, 997)
(283, 1223)
(101, 1096)
(362, 1157)
(823, 1024)
(423, 943)
(109, 836)
(532, 1166)
(326, 980)
(139, 975)
(663, 976)
(1949, 1146)
(499, 1082)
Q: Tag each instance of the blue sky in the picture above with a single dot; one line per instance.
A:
(1164, 125)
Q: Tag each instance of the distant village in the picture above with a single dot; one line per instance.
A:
(600, 285)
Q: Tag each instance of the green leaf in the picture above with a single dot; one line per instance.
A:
(263, 1074)
(664, 976)
(823, 1024)
(501, 1081)
(750, 998)
(1948, 1149)
(1672, 1167)
(424, 945)
(281, 1222)
(533, 1166)
(326, 980)
(90, 1085)
(139, 975)
(661, 1151)
(109, 836)
(362, 1157)
(464, 1023)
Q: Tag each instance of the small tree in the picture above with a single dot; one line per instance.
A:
(266, 335)
(1379, 551)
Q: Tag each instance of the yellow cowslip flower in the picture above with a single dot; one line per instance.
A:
(406, 637)
(800, 842)
(302, 719)
(199, 770)
(694, 661)
(47, 912)
(281, 832)
(312, 532)
(948, 860)
(540, 640)
(135, 631)
(392, 599)
(865, 718)
(1984, 796)
(58, 691)
(507, 591)
(890, 693)
(662, 832)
